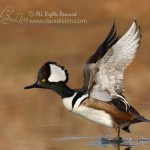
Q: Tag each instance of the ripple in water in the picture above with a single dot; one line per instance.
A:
(106, 141)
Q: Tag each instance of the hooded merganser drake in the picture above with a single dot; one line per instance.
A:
(101, 98)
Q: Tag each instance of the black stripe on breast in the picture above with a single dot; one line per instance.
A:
(82, 101)
(78, 95)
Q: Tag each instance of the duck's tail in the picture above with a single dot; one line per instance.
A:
(137, 120)
(141, 119)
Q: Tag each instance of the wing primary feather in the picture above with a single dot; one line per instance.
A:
(111, 43)
(110, 40)
(140, 34)
(111, 32)
(112, 36)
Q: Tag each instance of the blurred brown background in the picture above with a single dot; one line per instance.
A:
(31, 119)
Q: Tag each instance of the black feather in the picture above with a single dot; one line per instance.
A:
(120, 104)
(126, 129)
(110, 40)
(79, 94)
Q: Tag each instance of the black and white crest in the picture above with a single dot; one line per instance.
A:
(57, 73)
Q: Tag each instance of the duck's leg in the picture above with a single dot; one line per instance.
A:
(118, 133)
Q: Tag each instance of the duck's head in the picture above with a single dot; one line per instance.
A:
(50, 75)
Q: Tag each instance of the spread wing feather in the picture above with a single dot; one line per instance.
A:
(110, 40)
(106, 72)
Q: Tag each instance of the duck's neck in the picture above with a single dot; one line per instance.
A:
(63, 90)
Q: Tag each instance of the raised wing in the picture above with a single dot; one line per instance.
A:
(106, 77)
(110, 40)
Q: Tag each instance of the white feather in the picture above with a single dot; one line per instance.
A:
(68, 102)
(57, 74)
(94, 115)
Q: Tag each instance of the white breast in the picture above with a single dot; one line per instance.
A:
(97, 116)
(68, 102)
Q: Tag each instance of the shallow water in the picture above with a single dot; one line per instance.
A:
(38, 124)
(100, 137)
(106, 142)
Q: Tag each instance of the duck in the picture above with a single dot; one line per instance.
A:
(101, 98)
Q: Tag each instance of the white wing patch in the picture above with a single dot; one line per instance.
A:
(57, 74)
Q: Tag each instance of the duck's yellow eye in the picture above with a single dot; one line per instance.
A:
(43, 80)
